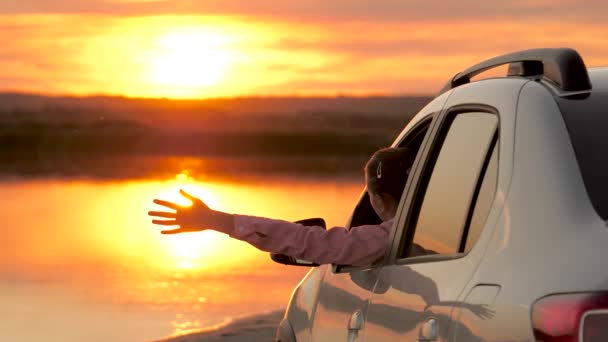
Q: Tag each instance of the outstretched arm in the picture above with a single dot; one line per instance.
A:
(359, 246)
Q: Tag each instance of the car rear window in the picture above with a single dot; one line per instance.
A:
(587, 123)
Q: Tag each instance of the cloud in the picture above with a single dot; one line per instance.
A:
(135, 1)
(92, 54)
(324, 11)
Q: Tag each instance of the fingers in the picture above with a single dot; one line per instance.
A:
(169, 205)
(174, 231)
(171, 217)
(188, 196)
(162, 214)
(165, 222)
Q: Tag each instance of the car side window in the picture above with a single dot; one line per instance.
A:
(483, 203)
(450, 184)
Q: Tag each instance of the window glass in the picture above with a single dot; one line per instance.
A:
(484, 201)
(587, 124)
(452, 183)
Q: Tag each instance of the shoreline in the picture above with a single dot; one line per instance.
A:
(254, 327)
(142, 168)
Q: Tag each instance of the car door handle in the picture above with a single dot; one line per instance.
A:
(429, 330)
(356, 321)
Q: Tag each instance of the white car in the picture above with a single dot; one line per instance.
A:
(510, 188)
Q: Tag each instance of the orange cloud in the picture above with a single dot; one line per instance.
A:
(92, 54)
(328, 11)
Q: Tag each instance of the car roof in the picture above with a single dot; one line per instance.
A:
(599, 78)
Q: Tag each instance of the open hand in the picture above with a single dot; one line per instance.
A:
(189, 218)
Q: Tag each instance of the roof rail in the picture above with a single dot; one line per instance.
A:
(562, 66)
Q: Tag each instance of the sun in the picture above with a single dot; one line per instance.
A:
(190, 60)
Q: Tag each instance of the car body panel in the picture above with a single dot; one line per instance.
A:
(301, 307)
(546, 215)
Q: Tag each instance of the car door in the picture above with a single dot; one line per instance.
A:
(344, 291)
(440, 221)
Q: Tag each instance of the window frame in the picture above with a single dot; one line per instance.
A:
(409, 209)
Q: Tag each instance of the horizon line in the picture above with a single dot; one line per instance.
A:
(227, 97)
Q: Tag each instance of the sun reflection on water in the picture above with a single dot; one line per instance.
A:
(96, 242)
(190, 252)
(95, 224)
(193, 250)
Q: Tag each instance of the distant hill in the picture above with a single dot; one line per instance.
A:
(123, 137)
(210, 114)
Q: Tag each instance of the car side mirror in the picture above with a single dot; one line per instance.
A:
(288, 260)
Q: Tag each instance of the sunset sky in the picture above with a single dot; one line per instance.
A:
(194, 49)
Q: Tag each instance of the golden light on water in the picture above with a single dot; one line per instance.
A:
(189, 250)
(107, 225)
(94, 243)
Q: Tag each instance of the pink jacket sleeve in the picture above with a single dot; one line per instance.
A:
(358, 247)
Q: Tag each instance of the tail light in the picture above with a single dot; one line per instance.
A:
(575, 317)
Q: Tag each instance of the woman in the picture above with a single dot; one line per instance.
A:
(385, 173)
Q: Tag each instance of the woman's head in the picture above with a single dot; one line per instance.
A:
(386, 174)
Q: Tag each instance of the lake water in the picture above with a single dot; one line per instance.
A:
(80, 260)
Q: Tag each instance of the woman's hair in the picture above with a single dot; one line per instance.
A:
(387, 170)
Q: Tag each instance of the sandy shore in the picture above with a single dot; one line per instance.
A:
(254, 328)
